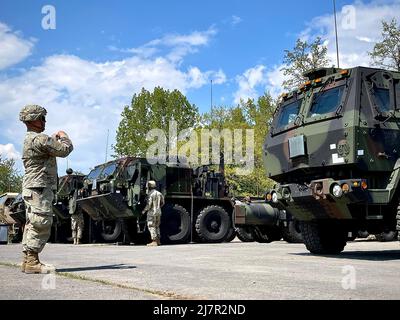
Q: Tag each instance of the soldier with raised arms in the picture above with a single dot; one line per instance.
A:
(39, 184)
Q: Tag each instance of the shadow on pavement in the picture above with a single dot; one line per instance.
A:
(110, 267)
(384, 255)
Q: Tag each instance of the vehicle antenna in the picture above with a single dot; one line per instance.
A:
(211, 95)
(108, 133)
(336, 32)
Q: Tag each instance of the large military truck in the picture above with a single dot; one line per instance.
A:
(197, 206)
(68, 186)
(14, 228)
(61, 228)
(334, 151)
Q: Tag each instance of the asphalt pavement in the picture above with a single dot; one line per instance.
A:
(229, 271)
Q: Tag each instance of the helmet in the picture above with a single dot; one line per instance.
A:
(151, 185)
(32, 113)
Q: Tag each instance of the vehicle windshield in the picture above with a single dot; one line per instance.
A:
(382, 99)
(289, 113)
(109, 170)
(3, 200)
(94, 173)
(326, 101)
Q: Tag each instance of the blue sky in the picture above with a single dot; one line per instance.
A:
(102, 52)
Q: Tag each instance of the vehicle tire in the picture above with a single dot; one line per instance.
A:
(267, 234)
(213, 224)
(231, 235)
(386, 236)
(323, 238)
(245, 234)
(175, 225)
(292, 233)
(111, 230)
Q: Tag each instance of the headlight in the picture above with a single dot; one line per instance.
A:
(337, 191)
(275, 197)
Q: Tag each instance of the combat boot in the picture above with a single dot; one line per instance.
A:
(153, 244)
(24, 257)
(33, 265)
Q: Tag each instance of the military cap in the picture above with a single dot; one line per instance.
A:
(32, 113)
(151, 184)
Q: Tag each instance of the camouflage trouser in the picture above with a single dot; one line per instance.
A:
(77, 225)
(153, 223)
(39, 218)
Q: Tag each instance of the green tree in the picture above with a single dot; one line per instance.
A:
(250, 114)
(10, 179)
(386, 54)
(304, 57)
(152, 110)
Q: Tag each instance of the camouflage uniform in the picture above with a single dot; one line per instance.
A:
(77, 220)
(40, 181)
(153, 208)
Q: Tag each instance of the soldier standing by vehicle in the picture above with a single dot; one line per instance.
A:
(39, 184)
(155, 201)
(77, 220)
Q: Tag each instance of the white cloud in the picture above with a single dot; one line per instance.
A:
(199, 79)
(8, 151)
(86, 98)
(359, 28)
(179, 45)
(275, 78)
(236, 20)
(248, 83)
(356, 37)
(14, 49)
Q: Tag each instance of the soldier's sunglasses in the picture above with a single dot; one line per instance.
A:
(43, 119)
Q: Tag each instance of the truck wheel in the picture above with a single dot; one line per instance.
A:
(175, 225)
(292, 233)
(213, 224)
(231, 235)
(322, 238)
(386, 236)
(245, 234)
(111, 230)
(267, 234)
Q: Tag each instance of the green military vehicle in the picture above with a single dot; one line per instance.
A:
(67, 186)
(14, 228)
(61, 229)
(197, 206)
(334, 151)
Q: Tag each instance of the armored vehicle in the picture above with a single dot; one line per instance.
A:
(66, 195)
(14, 228)
(196, 207)
(334, 151)
(61, 229)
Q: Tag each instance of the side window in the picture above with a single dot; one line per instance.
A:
(289, 113)
(382, 88)
(397, 90)
(382, 99)
(326, 101)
